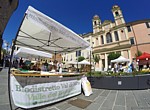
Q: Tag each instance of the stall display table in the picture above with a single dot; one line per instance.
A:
(32, 89)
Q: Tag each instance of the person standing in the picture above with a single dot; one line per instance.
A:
(147, 65)
(116, 68)
(46, 66)
(60, 67)
(20, 62)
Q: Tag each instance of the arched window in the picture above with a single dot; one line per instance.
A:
(116, 13)
(116, 36)
(95, 23)
(108, 37)
(102, 39)
(64, 59)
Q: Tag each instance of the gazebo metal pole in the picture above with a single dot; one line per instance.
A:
(10, 65)
(90, 62)
(77, 61)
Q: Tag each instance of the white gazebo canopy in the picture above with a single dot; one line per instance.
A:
(43, 33)
(120, 59)
(29, 53)
(72, 63)
(84, 62)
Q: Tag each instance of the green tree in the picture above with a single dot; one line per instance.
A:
(113, 56)
(96, 58)
(4, 51)
(80, 58)
(139, 53)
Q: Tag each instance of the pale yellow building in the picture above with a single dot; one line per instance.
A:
(110, 37)
(72, 57)
(106, 37)
(118, 36)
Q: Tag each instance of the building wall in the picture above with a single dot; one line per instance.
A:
(141, 36)
(139, 33)
(6, 9)
(71, 57)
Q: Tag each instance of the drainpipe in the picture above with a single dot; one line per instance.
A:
(135, 38)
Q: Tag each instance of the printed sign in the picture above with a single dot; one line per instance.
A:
(34, 95)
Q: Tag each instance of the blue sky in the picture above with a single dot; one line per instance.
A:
(77, 14)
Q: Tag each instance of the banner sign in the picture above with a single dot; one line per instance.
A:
(35, 95)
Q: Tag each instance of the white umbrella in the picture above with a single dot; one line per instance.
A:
(120, 59)
(84, 62)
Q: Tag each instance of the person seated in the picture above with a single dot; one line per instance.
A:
(25, 67)
(53, 68)
(36, 67)
(147, 65)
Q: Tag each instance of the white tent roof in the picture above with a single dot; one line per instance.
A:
(84, 62)
(72, 62)
(41, 32)
(27, 52)
(120, 59)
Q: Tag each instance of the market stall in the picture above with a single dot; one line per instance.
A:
(143, 60)
(36, 88)
(120, 60)
(120, 64)
(85, 66)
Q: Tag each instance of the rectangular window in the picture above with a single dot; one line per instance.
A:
(116, 36)
(147, 24)
(78, 53)
(102, 40)
(71, 58)
(64, 58)
(129, 28)
(132, 41)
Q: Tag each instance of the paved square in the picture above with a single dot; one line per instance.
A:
(101, 99)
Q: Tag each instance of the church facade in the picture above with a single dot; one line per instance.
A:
(118, 36)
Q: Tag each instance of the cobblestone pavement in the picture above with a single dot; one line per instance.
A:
(101, 99)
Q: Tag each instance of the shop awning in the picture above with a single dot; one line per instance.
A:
(29, 53)
(144, 56)
(43, 33)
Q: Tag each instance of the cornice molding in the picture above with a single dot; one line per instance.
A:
(113, 48)
(98, 33)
